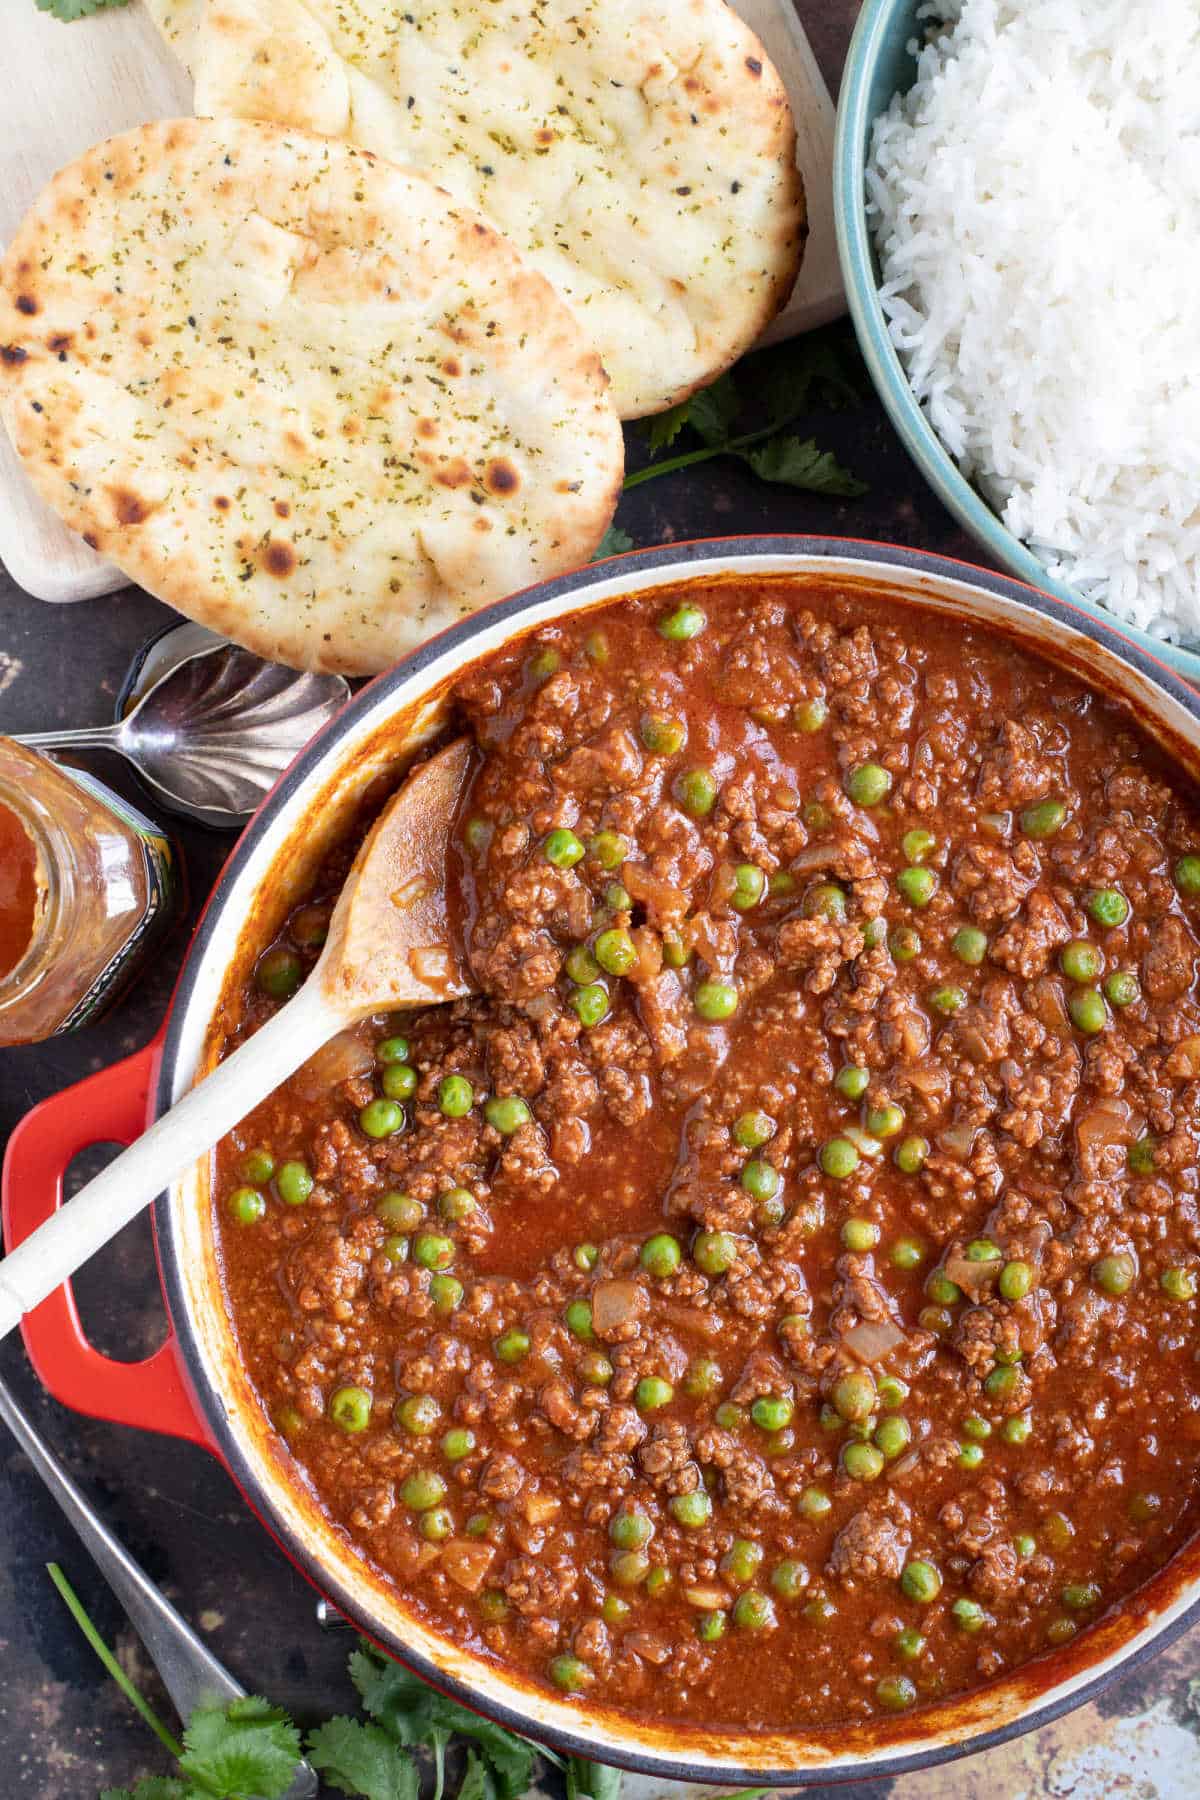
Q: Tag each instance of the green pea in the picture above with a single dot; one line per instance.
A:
(825, 900)
(350, 1409)
(810, 715)
(710, 1626)
(614, 1610)
(258, 1166)
(781, 884)
(615, 951)
(814, 1503)
(862, 1462)
(247, 1205)
(860, 1235)
(715, 1252)
(892, 1391)
(418, 1414)
(396, 1249)
(910, 1157)
(676, 953)
(716, 1000)
(457, 1204)
(868, 784)
(595, 648)
(493, 1607)
(562, 848)
(691, 1510)
(581, 965)
(760, 1179)
(1016, 1280)
(917, 844)
(908, 1644)
(1187, 874)
(288, 1421)
(381, 1118)
(968, 1615)
(753, 1130)
(660, 1255)
(816, 816)
(703, 1378)
(1018, 1429)
(970, 945)
(1081, 1596)
(885, 1121)
(749, 886)
(278, 972)
(630, 1530)
(982, 1250)
(948, 999)
(571, 1674)
(895, 1692)
(400, 1210)
(936, 1319)
(590, 1004)
(455, 1096)
(661, 734)
(1043, 819)
(854, 1394)
(772, 1412)
(399, 1081)
(433, 1252)
(904, 944)
(820, 1610)
(753, 1611)
(696, 792)
(917, 884)
(1140, 1156)
(545, 663)
(685, 622)
(874, 932)
(1081, 961)
(921, 1581)
(892, 1435)
(838, 1158)
(970, 1456)
(512, 1346)
(742, 1559)
(1058, 1531)
(942, 1290)
(1108, 907)
(1144, 1507)
(729, 1416)
(617, 897)
(478, 833)
(446, 1292)
(578, 1318)
(595, 1369)
(1024, 1545)
(1115, 1274)
(852, 1081)
(789, 1579)
(652, 1393)
(609, 848)
(1178, 1284)
(392, 1050)
(1001, 1382)
(1122, 988)
(507, 1113)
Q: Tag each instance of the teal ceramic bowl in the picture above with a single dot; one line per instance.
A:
(880, 63)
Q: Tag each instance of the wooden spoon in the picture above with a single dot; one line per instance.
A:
(388, 946)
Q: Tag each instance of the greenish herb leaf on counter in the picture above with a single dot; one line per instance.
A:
(614, 543)
(792, 462)
(70, 10)
(363, 1759)
(251, 1748)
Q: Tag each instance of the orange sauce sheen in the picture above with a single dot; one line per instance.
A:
(18, 890)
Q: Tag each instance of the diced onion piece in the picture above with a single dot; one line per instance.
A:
(539, 1508)
(467, 1563)
(958, 1139)
(665, 904)
(873, 1339)
(1185, 1058)
(708, 1599)
(343, 1058)
(615, 1303)
(972, 1276)
(1105, 1122)
(863, 1142)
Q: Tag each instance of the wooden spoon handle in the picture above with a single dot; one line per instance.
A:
(78, 1229)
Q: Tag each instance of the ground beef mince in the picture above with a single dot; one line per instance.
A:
(796, 1241)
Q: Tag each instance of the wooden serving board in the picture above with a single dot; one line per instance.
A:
(64, 87)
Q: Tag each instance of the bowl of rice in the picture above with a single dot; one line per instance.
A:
(1017, 195)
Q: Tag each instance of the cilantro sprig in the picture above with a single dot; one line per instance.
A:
(70, 10)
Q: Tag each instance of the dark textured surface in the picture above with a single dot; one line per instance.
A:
(64, 1730)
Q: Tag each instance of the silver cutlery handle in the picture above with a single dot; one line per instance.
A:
(190, 1672)
(87, 737)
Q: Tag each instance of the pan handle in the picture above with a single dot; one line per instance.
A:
(108, 1107)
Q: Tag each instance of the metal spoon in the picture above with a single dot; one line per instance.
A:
(190, 1672)
(214, 733)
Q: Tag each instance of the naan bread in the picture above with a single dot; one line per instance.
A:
(298, 393)
(641, 153)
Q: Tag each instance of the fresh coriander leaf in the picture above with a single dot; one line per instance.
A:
(70, 10)
(804, 372)
(477, 1782)
(592, 1780)
(412, 1712)
(613, 543)
(664, 428)
(152, 1787)
(798, 463)
(711, 412)
(363, 1759)
(247, 1747)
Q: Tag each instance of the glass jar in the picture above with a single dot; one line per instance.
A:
(87, 884)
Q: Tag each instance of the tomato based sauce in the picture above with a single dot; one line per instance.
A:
(18, 890)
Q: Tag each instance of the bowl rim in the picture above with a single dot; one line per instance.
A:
(684, 1763)
(873, 33)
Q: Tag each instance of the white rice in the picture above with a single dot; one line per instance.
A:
(1035, 201)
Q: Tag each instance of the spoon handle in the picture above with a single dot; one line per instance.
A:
(87, 737)
(194, 1124)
